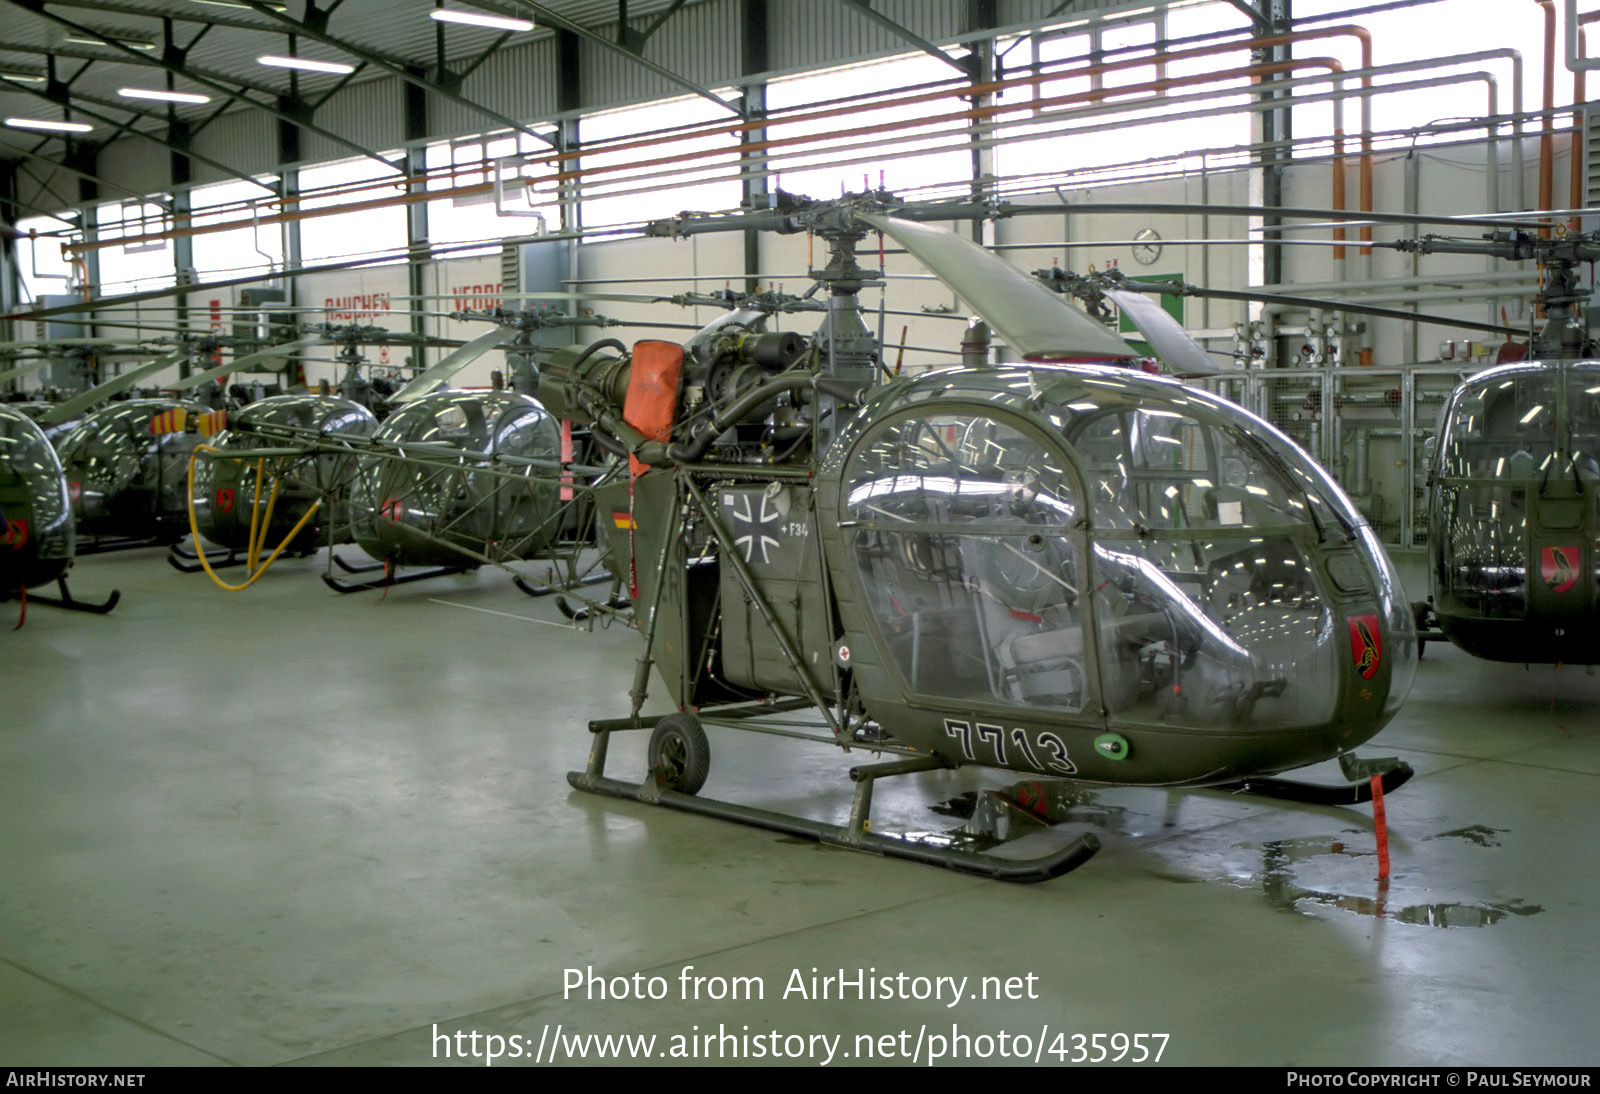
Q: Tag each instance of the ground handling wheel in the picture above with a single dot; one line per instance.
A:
(680, 755)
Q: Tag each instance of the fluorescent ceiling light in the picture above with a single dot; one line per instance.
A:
(23, 76)
(41, 123)
(335, 67)
(162, 96)
(109, 40)
(479, 19)
(237, 4)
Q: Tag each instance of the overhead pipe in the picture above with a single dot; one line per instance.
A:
(972, 114)
(1575, 194)
(955, 91)
(1120, 107)
(1490, 179)
(1032, 107)
(1547, 147)
(1578, 59)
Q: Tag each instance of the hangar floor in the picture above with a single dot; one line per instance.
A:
(287, 826)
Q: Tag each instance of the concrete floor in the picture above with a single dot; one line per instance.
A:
(286, 826)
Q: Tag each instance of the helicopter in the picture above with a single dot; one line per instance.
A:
(224, 505)
(451, 480)
(39, 539)
(1062, 567)
(1514, 478)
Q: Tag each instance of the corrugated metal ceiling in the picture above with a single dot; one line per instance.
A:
(226, 42)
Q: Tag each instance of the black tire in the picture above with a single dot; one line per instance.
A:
(680, 755)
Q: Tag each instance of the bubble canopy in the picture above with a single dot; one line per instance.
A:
(1515, 489)
(459, 508)
(1086, 540)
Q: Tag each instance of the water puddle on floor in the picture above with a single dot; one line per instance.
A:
(1284, 861)
(1302, 876)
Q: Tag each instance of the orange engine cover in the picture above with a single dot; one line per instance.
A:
(652, 400)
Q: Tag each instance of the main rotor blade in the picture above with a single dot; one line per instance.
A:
(18, 373)
(1174, 345)
(101, 392)
(450, 364)
(1341, 305)
(37, 343)
(1033, 321)
(195, 379)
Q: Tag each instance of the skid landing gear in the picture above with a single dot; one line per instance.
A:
(1392, 773)
(680, 757)
(383, 582)
(70, 603)
(180, 560)
(545, 590)
(1427, 625)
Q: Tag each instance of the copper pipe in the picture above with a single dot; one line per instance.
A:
(964, 90)
(1575, 199)
(972, 114)
(956, 91)
(1547, 145)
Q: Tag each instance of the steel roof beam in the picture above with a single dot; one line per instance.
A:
(136, 11)
(555, 21)
(181, 68)
(1259, 20)
(963, 65)
(57, 166)
(57, 93)
(314, 26)
(634, 40)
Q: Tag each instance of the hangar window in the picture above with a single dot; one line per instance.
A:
(647, 162)
(904, 145)
(250, 248)
(463, 172)
(361, 231)
(43, 267)
(1097, 94)
(1446, 112)
(142, 262)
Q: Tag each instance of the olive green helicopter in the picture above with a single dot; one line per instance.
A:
(1061, 567)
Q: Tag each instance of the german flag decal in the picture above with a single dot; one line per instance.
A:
(1559, 567)
(624, 521)
(1365, 645)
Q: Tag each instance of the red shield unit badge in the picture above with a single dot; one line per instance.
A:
(1559, 567)
(1365, 646)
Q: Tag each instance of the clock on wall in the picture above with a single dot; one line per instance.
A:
(1146, 246)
